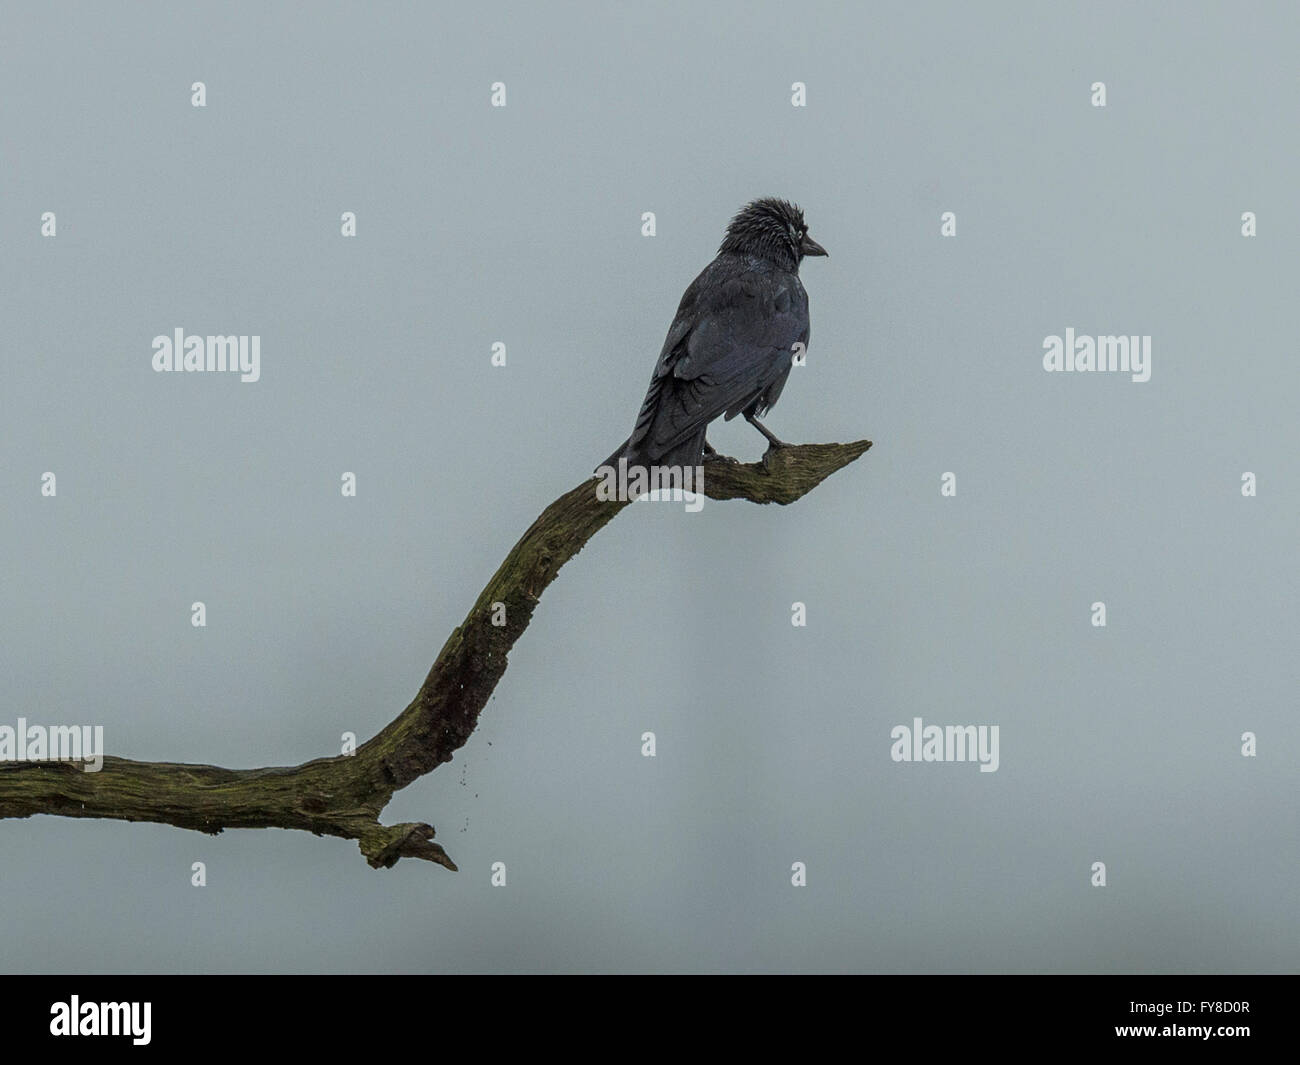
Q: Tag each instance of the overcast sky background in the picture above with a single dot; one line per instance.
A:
(523, 225)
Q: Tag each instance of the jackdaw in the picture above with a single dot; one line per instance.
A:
(733, 341)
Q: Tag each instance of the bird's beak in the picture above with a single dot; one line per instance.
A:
(811, 247)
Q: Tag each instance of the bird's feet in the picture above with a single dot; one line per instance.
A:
(772, 439)
(711, 455)
(772, 449)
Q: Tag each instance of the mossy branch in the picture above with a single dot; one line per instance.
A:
(344, 796)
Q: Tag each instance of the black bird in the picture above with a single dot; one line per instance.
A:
(732, 343)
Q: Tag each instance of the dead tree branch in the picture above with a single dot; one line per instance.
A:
(344, 796)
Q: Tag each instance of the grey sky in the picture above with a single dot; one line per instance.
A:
(522, 225)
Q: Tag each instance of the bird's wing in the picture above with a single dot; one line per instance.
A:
(730, 341)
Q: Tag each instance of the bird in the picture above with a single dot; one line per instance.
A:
(732, 343)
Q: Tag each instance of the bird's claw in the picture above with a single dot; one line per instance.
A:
(772, 449)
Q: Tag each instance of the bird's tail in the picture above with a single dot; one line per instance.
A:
(690, 452)
(619, 453)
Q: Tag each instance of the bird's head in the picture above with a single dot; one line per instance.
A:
(771, 229)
